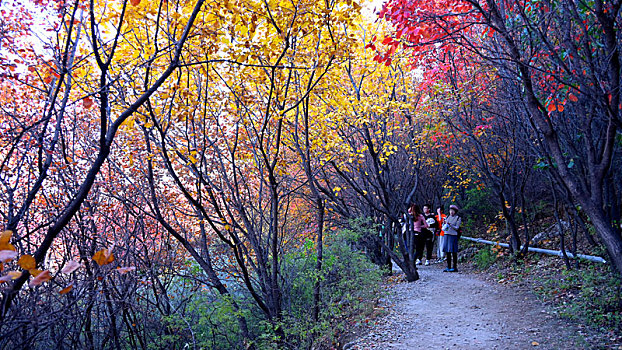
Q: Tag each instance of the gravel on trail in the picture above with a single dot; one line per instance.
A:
(456, 310)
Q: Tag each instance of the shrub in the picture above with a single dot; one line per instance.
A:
(590, 295)
(349, 281)
(485, 257)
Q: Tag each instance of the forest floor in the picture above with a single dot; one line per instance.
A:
(463, 310)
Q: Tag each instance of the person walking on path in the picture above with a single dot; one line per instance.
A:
(451, 226)
(440, 218)
(419, 224)
(428, 234)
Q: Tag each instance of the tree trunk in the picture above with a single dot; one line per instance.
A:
(515, 241)
(610, 237)
(318, 267)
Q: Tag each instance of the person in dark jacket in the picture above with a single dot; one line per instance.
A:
(428, 234)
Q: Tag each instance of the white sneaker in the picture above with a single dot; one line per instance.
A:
(427, 262)
(418, 262)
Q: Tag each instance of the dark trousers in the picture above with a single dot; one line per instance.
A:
(454, 257)
(424, 241)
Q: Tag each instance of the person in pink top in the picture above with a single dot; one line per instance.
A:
(419, 224)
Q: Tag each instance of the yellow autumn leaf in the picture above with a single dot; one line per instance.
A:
(11, 275)
(27, 262)
(14, 274)
(7, 246)
(5, 237)
(35, 272)
(103, 257)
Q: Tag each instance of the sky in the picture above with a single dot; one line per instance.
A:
(370, 7)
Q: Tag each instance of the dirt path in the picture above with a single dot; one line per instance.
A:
(460, 311)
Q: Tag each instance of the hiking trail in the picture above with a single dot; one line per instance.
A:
(457, 310)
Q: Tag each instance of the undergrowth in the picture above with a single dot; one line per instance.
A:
(589, 294)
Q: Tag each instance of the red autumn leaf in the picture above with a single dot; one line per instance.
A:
(70, 267)
(551, 107)
(572, 98)
(42, 277)
(560, 108)
(66, 289)
(126, 269)
(87, 102)
(392, 50)
(386, 40)
(135, 2)
(7, 255)
(5, 278)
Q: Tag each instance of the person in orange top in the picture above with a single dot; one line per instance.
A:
(440, 218)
